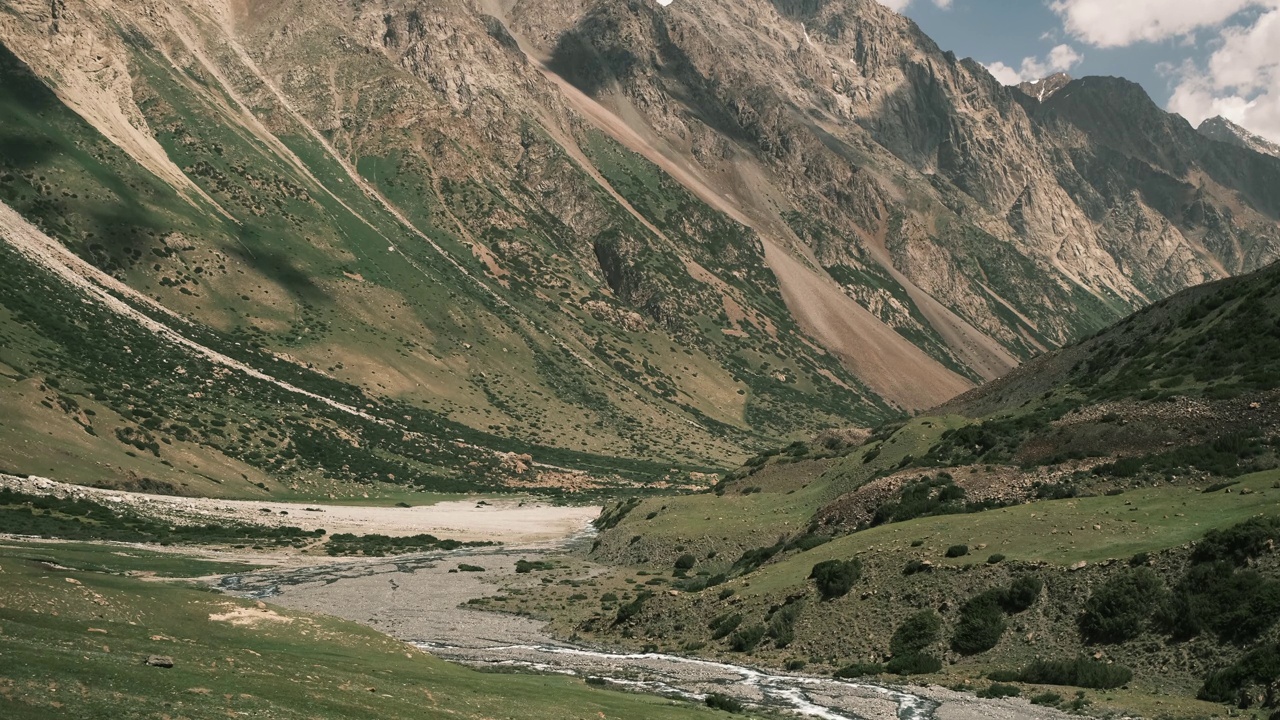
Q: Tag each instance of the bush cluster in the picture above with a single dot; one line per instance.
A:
(747, 638)
(382, 545)
(835, 578)
(633, 608)
(1080, 672)
(982, 622)
(719, 701)
(1121, 608)
(724, 624)
(782, 622)
(1258, 667)
(980, 626)
(911, 641)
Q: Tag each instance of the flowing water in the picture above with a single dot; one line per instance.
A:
(417, 599)
(694, 679)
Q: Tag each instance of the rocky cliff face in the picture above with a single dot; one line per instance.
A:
(658, 231)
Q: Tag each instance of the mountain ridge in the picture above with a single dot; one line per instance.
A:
(1223, 130)
(440, 206)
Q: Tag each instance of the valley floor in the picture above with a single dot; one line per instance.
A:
(430, 600)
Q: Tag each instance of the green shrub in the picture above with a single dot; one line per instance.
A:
(718, 701)
(782, 623)
(1237, 605)
(725, 624)
(995, 559)
(980, 626)
(858, 670)
(746, 639)
(755, 557)
(1119, 610)
(956, 551)
(918, 664)
(1081, 672)
(633, 608)
(1049, 698)
(1239, 543)
(923, 497)
(916, 633)
(1021, 594)
(916, 566)
(469, 568)
(835, 578)
(1260, 667)
(999, 690)
(796, 664)
(727, 593)
(526, 566)
(685, 562)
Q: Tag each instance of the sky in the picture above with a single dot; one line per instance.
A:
(1199, 58)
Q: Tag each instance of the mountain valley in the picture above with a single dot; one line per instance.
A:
(875, 373)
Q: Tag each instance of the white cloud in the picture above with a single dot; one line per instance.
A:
(1060, 59)
(1117, 23)
(1241, 80)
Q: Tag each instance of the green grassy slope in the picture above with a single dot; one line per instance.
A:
(75, 643)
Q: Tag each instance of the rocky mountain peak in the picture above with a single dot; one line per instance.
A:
(1223, 130)
(1045, 87)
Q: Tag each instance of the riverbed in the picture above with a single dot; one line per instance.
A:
(422, 599)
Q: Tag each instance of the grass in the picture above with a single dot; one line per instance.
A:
(119, 559)
(1059, 532)
(76, 649)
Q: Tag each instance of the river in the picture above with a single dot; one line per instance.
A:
(418, 600)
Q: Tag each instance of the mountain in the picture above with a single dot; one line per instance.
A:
(1044, 88)
(603, 235)
(1223, 130)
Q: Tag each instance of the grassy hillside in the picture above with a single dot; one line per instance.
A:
(1104, 472)
(76, 641)
(423, 287)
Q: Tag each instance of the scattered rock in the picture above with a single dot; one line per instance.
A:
(1078, 566)
(160, 661)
